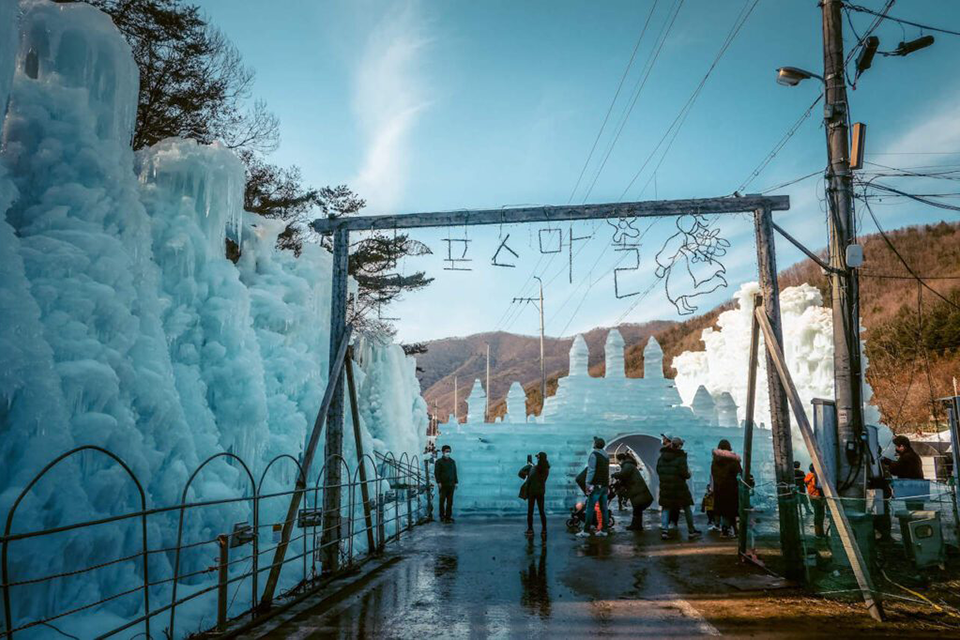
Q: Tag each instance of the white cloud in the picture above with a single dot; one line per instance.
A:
(936, 131)
(388, 99)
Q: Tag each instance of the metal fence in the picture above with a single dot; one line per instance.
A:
(399, 498)
(881, 538)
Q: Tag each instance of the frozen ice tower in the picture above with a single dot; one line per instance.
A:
(516, 404)
(704, 406)
(477, 403)
(613, 353)
(726, 410)
(579, 356)
(652, 360)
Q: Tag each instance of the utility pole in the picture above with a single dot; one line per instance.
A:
(487, 408)
(455, 399)
(543, 373)
(847, 370)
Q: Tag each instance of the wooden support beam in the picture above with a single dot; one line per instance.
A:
(779, 411)
(336, 369)
(810, 254)
(647, 209)
(355, 417)
(333, 448)
(748, 428)
(845, 531)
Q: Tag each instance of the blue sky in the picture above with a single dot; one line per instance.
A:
(449, 105)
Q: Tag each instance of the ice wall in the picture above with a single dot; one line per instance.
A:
(808, 348)
(122, 325)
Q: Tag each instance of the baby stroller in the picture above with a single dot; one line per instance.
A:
(578, 514)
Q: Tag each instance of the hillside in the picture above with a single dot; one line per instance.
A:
(512, 358)
(911, 357)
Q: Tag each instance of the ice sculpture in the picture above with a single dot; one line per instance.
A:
(516, 404)
(626, 411)
(122, 325)
(726, 410)
(808, 348)
(703, 406)
(477, 403)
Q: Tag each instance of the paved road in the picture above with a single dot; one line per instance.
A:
(483, 579)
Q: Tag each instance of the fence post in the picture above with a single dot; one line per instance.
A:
(426, 474)
(223, 566)
(748, 431)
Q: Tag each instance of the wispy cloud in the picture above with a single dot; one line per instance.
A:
(938, 130)
(389, 97)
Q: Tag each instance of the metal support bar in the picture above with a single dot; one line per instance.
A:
(355, 416)
(860, 569)
(810, 254)
(223, 575)
(748, 428)
(335, 371)
(648, 209)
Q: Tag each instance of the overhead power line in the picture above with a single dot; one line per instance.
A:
(925, 27)
(893, 248)
(613, 102)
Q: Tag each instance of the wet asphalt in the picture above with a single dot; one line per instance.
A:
(481, 578)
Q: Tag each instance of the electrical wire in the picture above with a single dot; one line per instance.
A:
(616, 95)
(890, 245)
(862, 9)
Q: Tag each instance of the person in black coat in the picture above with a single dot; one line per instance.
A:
(907, 466)
(536, 490)
(445, 473)
(725, 479)
(675, 495)
(634, 488)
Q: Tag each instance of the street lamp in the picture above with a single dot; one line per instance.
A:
(792, 76)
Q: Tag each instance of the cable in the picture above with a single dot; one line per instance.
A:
(891, 246)
(613, 102)
(918, 198)
(862, 9)
(648, 68)
(790, 182)
(779, 146)
(677, 123)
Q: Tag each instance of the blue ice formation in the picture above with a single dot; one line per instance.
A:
(124, 326)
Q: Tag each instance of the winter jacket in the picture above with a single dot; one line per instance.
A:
(598, 468)
(907, 466)
(445, 472)
(813, 485)
(537, 480)
(673, 473)
(725, 473)
(632, 485)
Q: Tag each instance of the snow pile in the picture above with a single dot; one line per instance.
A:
(808, 348)
(122, 325)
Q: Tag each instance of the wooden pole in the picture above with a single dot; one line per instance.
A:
(779, 410)
(301, 486)
(748, 429)
(841, 221)
(857, 563)
(223, 567)
(355, 417)
(333, 448)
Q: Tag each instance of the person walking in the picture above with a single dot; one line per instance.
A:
(725, 474)
(798, 480)
(536, 491)
(633, 488)
(445, 473)
(816, 501)
(675, 495)
(597, 483)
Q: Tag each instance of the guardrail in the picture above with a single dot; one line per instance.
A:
(400, 499)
